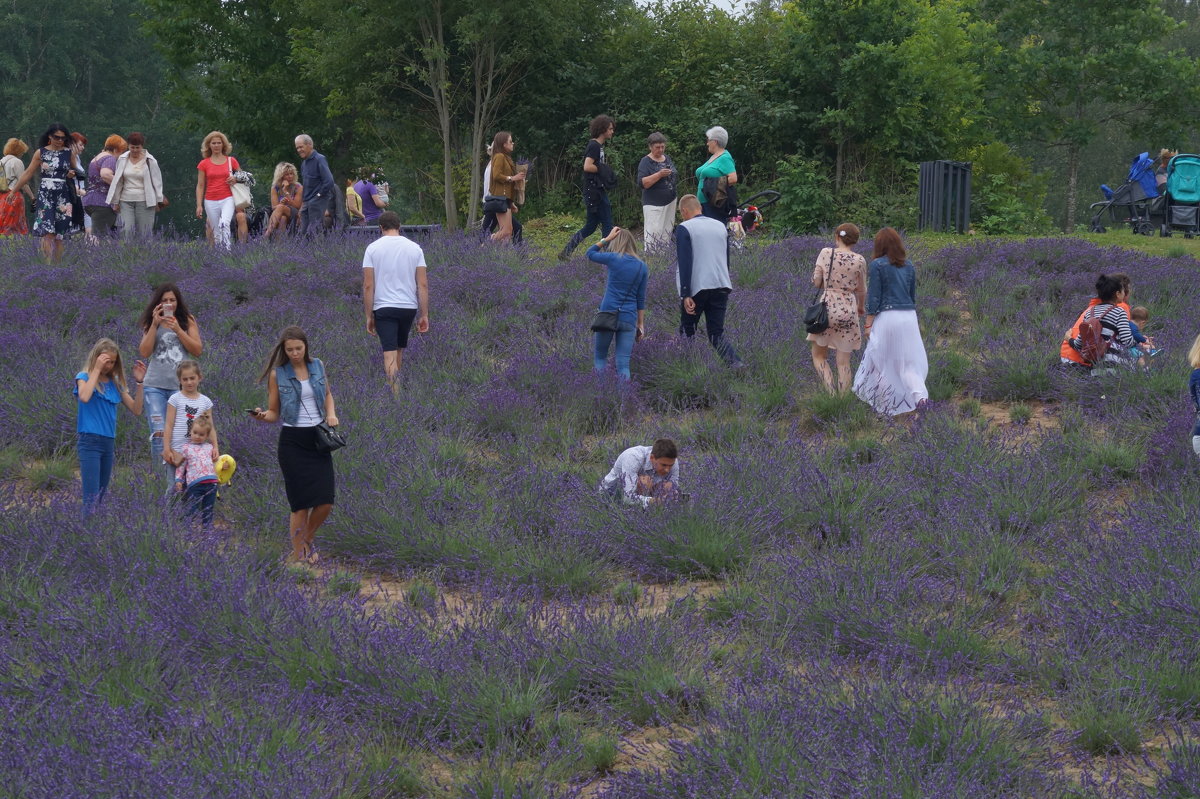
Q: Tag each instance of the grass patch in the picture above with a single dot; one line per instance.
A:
(841, 411)
(343, 583)
(1020, 413)
(51, 475)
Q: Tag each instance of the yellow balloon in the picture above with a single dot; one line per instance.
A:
(226, 466)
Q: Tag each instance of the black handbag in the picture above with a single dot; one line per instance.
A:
(329, 438)
(495, 204)
(608, 321)
(816, 316)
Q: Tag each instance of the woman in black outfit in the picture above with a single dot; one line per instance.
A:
(299, 397)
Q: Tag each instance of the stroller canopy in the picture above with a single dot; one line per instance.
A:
(1141, 171)
(1183, 178)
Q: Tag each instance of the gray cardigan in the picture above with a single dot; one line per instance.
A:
(153, 181)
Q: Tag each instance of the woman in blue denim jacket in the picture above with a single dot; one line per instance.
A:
(299, 397)
(891, 376)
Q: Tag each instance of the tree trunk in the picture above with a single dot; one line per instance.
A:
(438, 80)
(1072, 185)
(492, 82)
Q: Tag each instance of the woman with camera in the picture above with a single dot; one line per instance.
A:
(169, 335)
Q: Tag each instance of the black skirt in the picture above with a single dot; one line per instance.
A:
(307, 473)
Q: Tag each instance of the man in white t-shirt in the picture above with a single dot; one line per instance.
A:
(395, 292)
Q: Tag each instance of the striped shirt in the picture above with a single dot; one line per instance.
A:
(1114, 326)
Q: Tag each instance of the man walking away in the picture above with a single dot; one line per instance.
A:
(395, 292)
(702, 247)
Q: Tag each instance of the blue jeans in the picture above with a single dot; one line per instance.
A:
(155, 406)
(599, 214)
(201, 499)
(625, 336)
(95, 468)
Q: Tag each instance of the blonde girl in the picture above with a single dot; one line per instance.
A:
(286, 198)
(184, 407)
(99, 388)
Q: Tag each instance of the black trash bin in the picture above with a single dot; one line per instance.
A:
(944, 196)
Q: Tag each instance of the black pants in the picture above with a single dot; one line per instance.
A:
(711, 304)
(488, 226)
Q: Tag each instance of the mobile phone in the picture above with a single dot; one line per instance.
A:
(252, 411)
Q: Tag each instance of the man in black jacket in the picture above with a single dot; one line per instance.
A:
(598, 178)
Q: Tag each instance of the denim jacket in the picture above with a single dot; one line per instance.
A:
(289, 389)
(890, 287)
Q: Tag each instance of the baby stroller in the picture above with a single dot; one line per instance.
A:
(1132, 202)
(1183, 195)
(750, 215)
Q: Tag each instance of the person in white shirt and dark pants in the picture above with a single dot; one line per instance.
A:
(395, 292)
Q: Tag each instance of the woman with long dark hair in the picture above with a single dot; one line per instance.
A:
(169, 335)
(891, 376)
(299, 397)
(504, 180)
(52, 163)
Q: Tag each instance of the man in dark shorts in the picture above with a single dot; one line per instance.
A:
(597, 178)
(395, 292)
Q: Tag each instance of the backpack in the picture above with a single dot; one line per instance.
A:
(1092, 343)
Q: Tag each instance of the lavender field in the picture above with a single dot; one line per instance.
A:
(1000, 599)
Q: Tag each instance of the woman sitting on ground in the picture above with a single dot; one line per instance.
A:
(1110, 309)
(286, 198)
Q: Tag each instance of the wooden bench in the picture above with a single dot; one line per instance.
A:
(411, 231)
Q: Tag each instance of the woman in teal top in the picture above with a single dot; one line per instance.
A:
(719, 165)
(100, 388)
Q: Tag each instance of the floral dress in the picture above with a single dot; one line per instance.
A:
(841, 279)
(53, 215)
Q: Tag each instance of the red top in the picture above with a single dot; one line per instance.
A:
(215, 175)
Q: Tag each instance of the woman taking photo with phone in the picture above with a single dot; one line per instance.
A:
(298, 396)
(169, 335)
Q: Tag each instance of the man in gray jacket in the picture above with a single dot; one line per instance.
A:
(702, 246)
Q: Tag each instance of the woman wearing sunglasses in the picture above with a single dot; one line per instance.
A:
(52, 162)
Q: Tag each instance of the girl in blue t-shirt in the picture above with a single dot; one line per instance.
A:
(100, 387)
(1194, 390)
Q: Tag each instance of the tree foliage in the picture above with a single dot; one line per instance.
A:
(832, 102)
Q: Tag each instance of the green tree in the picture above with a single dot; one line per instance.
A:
(1072, 68)
(231, 67)
(885, 80)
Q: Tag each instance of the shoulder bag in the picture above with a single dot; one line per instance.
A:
(816, 316)
(495, 204)
(608, 321)
(329, 438)
(242, 198)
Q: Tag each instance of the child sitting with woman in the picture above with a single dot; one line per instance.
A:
(1141, 344)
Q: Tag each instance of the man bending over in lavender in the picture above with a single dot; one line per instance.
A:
(645, 474)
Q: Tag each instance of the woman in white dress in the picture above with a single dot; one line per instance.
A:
(891, 376)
